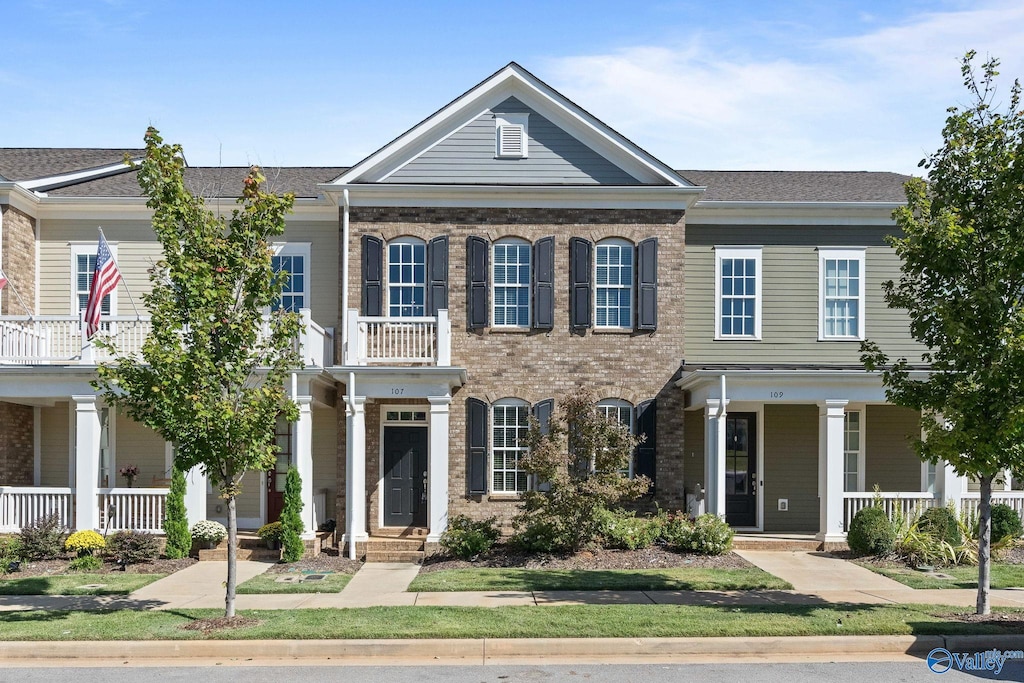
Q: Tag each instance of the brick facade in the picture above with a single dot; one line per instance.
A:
(16, 444)
(535, 365)
(19, 261)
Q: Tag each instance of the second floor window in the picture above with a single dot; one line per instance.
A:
(841, 293)
(738, 292)
(293, 259)
(511, 283)
(614, 278)
(407, 278)
(83, 261)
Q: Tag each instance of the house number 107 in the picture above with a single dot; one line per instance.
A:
(776, 394)
(397, 391)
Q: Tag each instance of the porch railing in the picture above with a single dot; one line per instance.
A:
(374, 340)
(908, 504)
(132, 509)
(20, 506)
(970, 501)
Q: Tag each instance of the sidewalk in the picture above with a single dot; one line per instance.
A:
(817, 578)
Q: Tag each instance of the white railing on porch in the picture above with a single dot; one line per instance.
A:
(378, 340)
(20, 506)
(908, 503)
(58, 339)
(132, 509)
(970, 501)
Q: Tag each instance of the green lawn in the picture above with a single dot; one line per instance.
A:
(267, 583)
(683, 578)
(76, 584)
(1003, 576)
(592, 621)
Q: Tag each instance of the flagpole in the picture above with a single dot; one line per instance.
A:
(14, 289)
(124, 280)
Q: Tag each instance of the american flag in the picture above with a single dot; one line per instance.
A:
(105, 277)
(3, 279)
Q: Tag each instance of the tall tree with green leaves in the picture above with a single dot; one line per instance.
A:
(962, 284)
(213, 370)
(176, 533)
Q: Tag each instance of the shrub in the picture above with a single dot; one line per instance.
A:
(466, 538)
(871, 532)
(941, 523)
(540, 534)
(626, 531)
(179, 540)
(132, 547)
(1005, 523)
(43, 539)
(271, 532)
(711, 535)
(85, 563)
(10, 554)
(208, 531)
(84, 543)
(677, 532)
(291, 518)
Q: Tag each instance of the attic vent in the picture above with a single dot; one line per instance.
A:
(511, 140)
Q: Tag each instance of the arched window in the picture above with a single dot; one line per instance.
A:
(407, 277)
(614, 280)
(510, 420)
(511, 283)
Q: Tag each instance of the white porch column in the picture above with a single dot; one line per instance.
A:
(714, 460)
(830, 470)
(437, 468)
(87, 463)
(950, 484)
(303, 455)
(195, 495)
(355, 475)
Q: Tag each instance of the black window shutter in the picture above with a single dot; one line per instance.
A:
(477, 252)
(580, 275)
(647, 285)
(437, 274)
(373, 275)
(646, 424)
(476, 445)
(542, 411)
(544, 284)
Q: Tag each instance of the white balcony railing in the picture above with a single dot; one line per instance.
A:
(58, 339)
(399, 341)
(20, 506)
(908, 503)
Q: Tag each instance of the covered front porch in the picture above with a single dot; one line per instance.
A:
(802, 450)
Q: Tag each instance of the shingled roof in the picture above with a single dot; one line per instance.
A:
(799, 186)
(30, 163)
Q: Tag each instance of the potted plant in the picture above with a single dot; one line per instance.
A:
(129, 472)
(271, 534)
(208, 533)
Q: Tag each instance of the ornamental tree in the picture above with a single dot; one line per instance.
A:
(962, 284)
(212, 372)
(179, 540)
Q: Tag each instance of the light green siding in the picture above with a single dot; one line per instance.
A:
(54, 445)
(136, 444)
(791, 467)
(790, 295)
(889, 457)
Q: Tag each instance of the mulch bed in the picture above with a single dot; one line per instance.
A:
(52, 567)
(655, 557)
(329, 560)
(220, 623)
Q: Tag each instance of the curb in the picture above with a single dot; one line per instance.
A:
(490, 650)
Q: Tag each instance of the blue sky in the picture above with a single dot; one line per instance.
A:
(725, 84)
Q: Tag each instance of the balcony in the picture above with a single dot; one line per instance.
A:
(379, 340)
(58, 340)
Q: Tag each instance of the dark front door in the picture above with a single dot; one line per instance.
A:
(741, 469)
(405, 476)
(277, 477)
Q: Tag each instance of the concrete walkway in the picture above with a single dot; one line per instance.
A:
(817, 578)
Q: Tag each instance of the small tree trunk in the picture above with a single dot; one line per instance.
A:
(984, 545)
(229, 598)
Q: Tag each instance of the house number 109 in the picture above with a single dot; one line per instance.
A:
(776, 394)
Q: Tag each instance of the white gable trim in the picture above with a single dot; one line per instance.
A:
(43, 184)
(513, 81)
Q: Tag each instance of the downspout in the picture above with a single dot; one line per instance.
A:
(721, 403)
(350, 501)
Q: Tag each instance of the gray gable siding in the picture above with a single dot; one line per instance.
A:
(789, 316)
(554, 158)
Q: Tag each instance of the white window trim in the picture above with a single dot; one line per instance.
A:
(89, 249)
(505, 402)
(847, 253)
(529, 285)
(303, 249)
(618, 403)
(406, 239)
(861, 459)
(738, 253)
(619, 242)
(517, 120)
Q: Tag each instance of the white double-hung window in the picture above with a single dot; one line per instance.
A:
(738, 292)
(840, 294)
(614, 277)
(510, 418)
(407, 277)
(511, 283)
(293, 259)
(83, 263)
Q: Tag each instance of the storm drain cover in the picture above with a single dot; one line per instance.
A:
(314, 577)
(288, 579)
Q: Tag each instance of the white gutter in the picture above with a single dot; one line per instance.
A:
(344, 271)
(350, 500)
